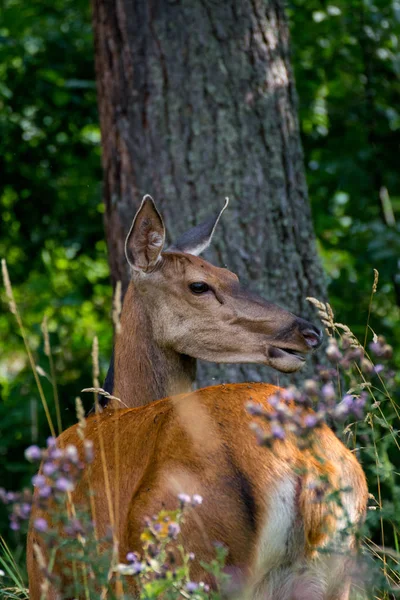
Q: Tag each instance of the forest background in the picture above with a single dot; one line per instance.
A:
(346, 57)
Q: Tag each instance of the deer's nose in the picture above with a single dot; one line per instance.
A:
(311, 334)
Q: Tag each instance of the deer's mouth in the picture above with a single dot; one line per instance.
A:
(286, 360)
(295, 353)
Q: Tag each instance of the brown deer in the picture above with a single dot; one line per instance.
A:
(179, 308)
(262, 503)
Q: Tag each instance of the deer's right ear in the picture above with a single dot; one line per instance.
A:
(145, 240)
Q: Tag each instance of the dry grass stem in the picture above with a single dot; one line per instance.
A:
(373, 291)
(99, 390)
(348, 334)
(46, 338)
(117, 307)
(7, 285)
(43, 567)
(14, 310)
(325, 313)
(375, 284)
(48, 353)
(80, 414)
(107, 484)
(95, 362)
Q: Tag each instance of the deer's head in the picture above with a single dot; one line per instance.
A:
(201, 310)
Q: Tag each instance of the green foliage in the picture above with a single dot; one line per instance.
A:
(51, 229)
(346, 59)
(11, 580)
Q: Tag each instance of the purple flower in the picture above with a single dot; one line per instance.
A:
(45, 491)
(55, 453)
(39, 481)
(348, 401)
(51, 442)
(274, 400)
(358, 405)
(254, 409)
(173, 530)
(310, 421)
(40, 525)
(184, 498)
(49, 468)
(14, 525)
(191, 587)
(277, 432)
(328, 392)
(378, 368)
(333, 353)
(351, 405)
(376, 348)
(33, 453)
(24, 510)
(137, 567)
(64, 485)
(197, 500)
(288, 395)
(132, 557)
(74, 527)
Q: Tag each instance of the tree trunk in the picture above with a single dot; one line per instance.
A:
(197, 102)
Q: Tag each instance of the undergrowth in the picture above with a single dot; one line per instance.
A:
(356, 395)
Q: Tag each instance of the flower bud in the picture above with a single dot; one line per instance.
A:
(310, 387)
(387, 351)
(333, 353)
(367, 366)
(40, 525)
(33, 453)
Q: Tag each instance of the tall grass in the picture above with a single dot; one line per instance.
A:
(16, 588)
(374, 436)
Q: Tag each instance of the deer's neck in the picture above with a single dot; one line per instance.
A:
(144, 371)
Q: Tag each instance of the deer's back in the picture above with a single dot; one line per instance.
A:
(201, 443)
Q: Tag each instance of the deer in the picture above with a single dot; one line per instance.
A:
(157, 436)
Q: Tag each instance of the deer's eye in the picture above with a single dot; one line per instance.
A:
(199, 287)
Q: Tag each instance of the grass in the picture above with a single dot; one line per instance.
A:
(16, 590)
(374, 436)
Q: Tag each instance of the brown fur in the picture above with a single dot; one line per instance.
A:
(200, 442)
(164, 327)
(188, 444)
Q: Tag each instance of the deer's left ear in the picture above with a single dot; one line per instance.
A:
(145, 240)
(196, 240)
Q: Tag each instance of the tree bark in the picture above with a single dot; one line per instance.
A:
(197, 102)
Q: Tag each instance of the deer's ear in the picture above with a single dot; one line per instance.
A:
(196, 240)
(145, 240)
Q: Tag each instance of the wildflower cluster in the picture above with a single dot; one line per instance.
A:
(351, 353)
(299, 411)
(60, 471)
(164, 565)
(289, 411)
(21, 503)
